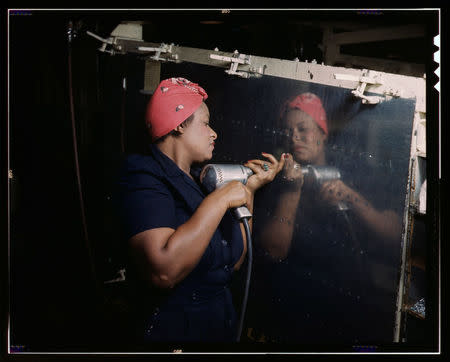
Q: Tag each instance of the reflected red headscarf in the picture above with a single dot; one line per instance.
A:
(173, 101)
(310, 104)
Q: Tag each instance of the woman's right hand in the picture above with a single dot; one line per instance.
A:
(234, 193)
(292, 171)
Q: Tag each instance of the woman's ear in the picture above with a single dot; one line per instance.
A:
(179, 129)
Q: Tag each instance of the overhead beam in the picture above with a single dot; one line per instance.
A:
(386, 65)
(380, 34)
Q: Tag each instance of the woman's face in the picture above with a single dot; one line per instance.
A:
(199, 137)
(306, 139)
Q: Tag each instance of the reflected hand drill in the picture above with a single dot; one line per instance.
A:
(318, 175)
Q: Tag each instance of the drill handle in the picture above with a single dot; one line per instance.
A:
(242, 212)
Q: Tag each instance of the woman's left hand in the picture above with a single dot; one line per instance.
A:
(336, 191)
(263, 171)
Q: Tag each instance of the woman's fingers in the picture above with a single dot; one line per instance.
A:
(292, 170)
(254, 166)
(271, 163)
(281, 162)
(270, 157)
(335, 190)
(288, 161)
(264, 171)
(236, 193)
(258, 162)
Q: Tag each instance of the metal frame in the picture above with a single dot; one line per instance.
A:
(384, 85)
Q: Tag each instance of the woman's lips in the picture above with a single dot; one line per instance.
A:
(299, 148)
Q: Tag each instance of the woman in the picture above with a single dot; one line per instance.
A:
(318, 268)
(306, 124)
(184, 244)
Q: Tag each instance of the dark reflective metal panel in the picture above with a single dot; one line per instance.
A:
(327, 254)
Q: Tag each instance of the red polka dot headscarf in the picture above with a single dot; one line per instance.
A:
(310, 104)
(173, 101)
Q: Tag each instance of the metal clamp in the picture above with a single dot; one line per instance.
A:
(120, 278)
(359, 91)
(118, 48)
(106, 42)
(235, 61)
(163, 48)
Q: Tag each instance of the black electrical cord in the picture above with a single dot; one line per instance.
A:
(123, 109)
(122, 116)
(247, 280)
(77, 166)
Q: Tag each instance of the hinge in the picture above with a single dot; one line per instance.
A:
(163, 48)
(117, 48)
(105, 42)
(359, 91)
(236, 60)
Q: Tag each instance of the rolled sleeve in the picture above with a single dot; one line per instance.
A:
(231, 232)
(145, 203)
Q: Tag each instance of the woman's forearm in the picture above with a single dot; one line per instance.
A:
(276, 235)
(166, 255)
(386, 223)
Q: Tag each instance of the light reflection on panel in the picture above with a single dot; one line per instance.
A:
(327, 251)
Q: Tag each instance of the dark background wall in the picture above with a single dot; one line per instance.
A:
(57, 296)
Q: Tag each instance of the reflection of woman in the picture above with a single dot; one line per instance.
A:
(306, 123)
(320, 252)
(184, 245)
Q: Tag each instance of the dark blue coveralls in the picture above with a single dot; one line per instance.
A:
(154, 192)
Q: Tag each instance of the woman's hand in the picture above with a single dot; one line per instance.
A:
(234, 193)
(387, 224)
(336, 191)
(263, 171)
(292, 172)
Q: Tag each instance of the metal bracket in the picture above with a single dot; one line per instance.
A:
(120, 278)
(359, 91)
(117, 48)
(112, 41)
(235, 61)
(163, 48)
(106, 42)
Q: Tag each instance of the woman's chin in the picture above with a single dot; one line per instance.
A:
(301, 158)
(206, 158)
